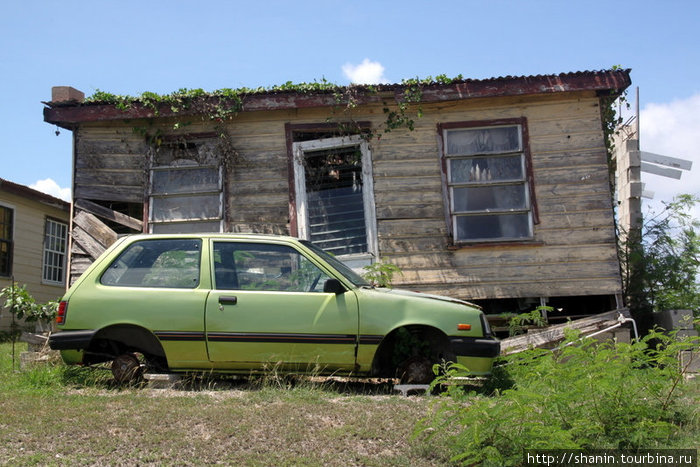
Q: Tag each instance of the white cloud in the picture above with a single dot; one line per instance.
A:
(367, 72)
(672, 129)
(50, 187)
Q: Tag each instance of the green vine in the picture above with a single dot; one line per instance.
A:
(224, 104)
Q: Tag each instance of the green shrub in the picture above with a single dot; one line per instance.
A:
(20, 302)
(586, 395)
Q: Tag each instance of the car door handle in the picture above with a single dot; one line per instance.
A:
(228, 300)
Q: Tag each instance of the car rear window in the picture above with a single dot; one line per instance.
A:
(168, 263)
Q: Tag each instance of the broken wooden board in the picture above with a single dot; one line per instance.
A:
(553, 334)
(109, 214)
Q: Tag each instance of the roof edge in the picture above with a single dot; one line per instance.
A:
(70, 114)
(31, 193)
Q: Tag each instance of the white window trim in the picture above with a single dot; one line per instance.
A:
(298, 149)
(44, 280)
(13, 208)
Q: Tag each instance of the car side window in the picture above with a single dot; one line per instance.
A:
(170, 263)
(251, 266)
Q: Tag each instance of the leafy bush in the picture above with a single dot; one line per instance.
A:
(586, 395)
(517, 323)
(380, 274)
(661, 264)
(20, 302)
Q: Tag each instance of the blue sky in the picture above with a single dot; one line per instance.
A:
(129, 47)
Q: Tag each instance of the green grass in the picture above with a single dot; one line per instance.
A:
(56, 415)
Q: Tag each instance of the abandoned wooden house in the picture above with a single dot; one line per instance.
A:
(497, 191)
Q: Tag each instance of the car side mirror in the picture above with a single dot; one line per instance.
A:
(333, 286)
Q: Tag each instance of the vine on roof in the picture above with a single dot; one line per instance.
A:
(224, 104)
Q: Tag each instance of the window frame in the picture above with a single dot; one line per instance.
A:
(527, 181)
(260, 252)
(129, 255)
(9, 241)
(47, 251)
(301, 199)
(188, 164)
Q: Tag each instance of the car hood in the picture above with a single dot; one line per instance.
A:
(409, 293)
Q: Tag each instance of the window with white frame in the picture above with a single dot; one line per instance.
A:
(335, 197)
(487, 181)
(6, 236)
(55, 245)
(186, 189)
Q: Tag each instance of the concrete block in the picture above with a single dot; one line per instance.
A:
(162, 380)
(406, 388)
(674, 319)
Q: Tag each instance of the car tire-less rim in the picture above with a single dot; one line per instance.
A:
(126, 367)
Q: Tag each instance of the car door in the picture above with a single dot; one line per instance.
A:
(268, 306)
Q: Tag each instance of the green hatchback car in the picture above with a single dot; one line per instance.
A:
(248, 303)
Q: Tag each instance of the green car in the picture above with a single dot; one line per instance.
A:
(246, 303)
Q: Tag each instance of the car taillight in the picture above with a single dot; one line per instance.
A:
(61, 313)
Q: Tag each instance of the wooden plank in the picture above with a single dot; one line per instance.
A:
(111, 162)
(410, 227)
(564, 220)
(415, 196)
(97, 229)
(557, 159)
(416, 168)
(109, 214)
(87, 242)
(418, 211)
(494, 290)
(115, 178)
(515, 273)
(574, 175)
(575, 204)
(558, 190)
(262, 228)
(585, 141)
(554, 334)
(79, 264)
(127, 194)
(408, 184)
(111, 147)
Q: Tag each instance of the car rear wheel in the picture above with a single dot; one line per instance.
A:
(126, 368)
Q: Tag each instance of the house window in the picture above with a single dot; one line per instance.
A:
(55, 239)
(489, 193)
(186, 189)
(6, 231)
(335, 197)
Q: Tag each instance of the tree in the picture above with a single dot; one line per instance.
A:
(663, 269)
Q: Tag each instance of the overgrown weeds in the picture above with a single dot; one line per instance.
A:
(586, 395)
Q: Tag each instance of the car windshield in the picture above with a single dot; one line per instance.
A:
(339, 266)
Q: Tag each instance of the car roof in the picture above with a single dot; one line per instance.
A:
(222, 235)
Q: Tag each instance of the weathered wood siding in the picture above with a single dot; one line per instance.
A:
(574, 249)
(28, 248)
(110, 163)
(574, 246)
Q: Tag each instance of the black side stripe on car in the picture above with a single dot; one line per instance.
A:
(268, 337)
(370, 340)
(280, 337)
(179, 336)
